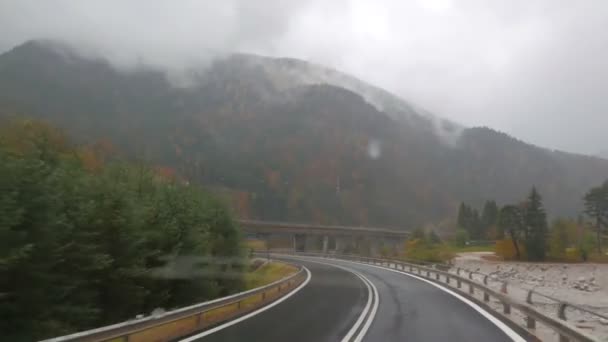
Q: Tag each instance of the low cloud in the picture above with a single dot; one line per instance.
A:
(537, 70)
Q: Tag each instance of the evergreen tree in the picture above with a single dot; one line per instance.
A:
(596, 207)
(535, 225)
(489, 216)
(463, 214)
(80, 248)
(469, 220)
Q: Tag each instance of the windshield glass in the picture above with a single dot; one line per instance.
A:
(306, 170)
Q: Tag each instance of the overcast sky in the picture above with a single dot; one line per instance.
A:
(535, 69)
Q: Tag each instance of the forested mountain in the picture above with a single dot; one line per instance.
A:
(288, 140)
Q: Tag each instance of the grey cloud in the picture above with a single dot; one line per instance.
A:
(536, 70)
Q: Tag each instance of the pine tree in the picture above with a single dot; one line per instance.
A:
(469, 220)
(596, 207)
(462, 215)
(535, 225)
(489, 216)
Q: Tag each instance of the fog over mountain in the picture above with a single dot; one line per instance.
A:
(283, 139)
(536, 70)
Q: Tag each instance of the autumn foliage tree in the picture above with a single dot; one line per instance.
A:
(511, 222)
(526, 223)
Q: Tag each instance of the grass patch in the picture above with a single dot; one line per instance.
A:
(426, 252)
(268, 273)
(467, 249)
(256, 245)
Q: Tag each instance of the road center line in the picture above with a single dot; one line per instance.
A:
(498, 323)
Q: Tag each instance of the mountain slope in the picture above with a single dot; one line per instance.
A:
(287, 140)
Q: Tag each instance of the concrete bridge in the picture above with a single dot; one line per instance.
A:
(302, 237)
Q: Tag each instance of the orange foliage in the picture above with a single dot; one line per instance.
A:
(505, 249)
(23, 136)
(242, 205)
(90, 160)
(166, 173)
(104, 148)
(273, 178)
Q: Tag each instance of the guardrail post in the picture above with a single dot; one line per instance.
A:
(486, 297)
(529, 297)
(428, 274)
(506, 308)
(458, 271)
(447, 279)
(458, 283)
(503, 287)
(530, 322)
(561, 311)
(437, 276)
(199, 319)
(263, 295)
(411, 269)
(471, 275)
(485, 280)
(471, 289)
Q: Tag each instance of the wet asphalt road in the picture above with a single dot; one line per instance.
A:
(324, 310)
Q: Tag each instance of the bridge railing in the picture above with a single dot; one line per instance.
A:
(528, 315)
(182, 322)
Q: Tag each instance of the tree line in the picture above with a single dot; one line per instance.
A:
(525, 225)
(478, 226)
(87, 240)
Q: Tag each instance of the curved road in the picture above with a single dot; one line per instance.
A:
(330, 304)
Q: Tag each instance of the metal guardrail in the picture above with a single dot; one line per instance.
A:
(559, 325)
(561, 305)
(185, 321)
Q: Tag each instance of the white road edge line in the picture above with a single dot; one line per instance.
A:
(372, 297)
(372, 315)
(498, 323)
(251, 314)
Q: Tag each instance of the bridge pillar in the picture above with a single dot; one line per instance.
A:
(300, 242)
(325, 243)
(375, 248)
(340, 245)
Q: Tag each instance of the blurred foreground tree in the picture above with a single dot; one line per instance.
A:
(82, 242)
